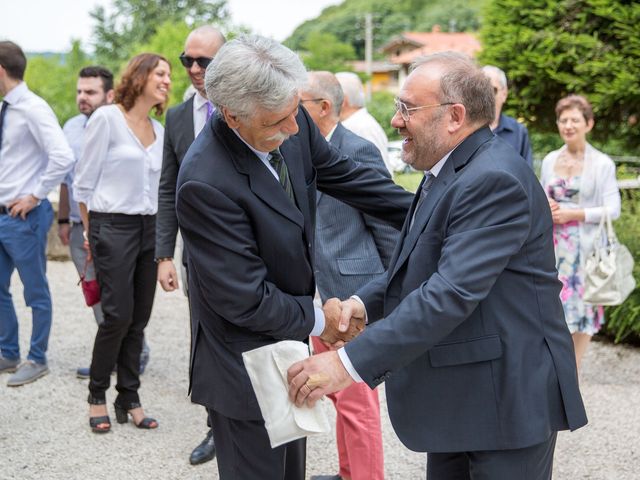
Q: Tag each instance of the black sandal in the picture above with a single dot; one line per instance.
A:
(99, 424)
(122, 416)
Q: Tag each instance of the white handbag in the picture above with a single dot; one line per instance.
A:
(267, 368)
(608, 271)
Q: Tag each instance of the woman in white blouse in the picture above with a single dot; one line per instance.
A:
(580, 182)
(116, 185)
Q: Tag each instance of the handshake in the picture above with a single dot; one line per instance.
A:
(343, 321)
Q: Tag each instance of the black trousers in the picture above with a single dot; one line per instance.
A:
(244, 453)
(123, 248)
(530, 463)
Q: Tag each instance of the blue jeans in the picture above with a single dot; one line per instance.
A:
(23, 245)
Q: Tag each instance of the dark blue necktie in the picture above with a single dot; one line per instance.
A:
(424, 191)
(3, 112)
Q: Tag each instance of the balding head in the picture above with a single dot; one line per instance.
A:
(322, 98)
(202, 43)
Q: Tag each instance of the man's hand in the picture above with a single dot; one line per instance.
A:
(63, 233)
(167, 275)
(316, 376)
(338, 328)
(22, 206)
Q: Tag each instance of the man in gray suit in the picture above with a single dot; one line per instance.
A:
(183, 124)
(473, 345)
(351, 249)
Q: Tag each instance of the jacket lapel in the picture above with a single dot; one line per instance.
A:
(261, 181)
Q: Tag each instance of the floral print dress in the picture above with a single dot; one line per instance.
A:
(580, 316)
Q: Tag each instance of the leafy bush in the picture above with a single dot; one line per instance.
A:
(382, 108)
(623, 322)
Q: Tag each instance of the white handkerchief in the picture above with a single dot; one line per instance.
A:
(267, 367)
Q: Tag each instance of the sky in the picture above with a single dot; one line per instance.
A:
(48, 25)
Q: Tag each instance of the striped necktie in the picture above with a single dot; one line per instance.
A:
(277, 162)
(424, 191)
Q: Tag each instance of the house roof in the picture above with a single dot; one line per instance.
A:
(426, 43)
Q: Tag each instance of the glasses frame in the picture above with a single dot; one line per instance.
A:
(187, 61)
(405, 112)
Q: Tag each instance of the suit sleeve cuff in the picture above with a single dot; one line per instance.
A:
(348, 366)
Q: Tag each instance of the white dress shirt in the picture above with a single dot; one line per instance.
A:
(363, 124)
(116, 173)
(344, 358)
(199, 113)
(74, 132)
(35, 156)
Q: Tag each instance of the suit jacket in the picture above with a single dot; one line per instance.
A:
(178, 137)
(251, 279)
(473, 346)
(352, 248)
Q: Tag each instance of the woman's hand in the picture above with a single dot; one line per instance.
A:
(553, 205)
(561, 216)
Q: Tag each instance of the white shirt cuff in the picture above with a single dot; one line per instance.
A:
(346, 363)
(318, 328)
(359, 300)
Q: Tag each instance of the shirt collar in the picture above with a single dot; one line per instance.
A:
(264, 156)
(502, 124)
(330, 134)
(435, 170)
(16, 93)
(199, 100)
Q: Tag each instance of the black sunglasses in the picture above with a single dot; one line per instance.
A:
(187, 61)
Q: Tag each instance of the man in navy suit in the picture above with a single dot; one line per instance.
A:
(246, 201)
(351, 249)
(473, 346)
(184, 122)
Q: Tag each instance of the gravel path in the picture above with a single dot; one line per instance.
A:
(44, 431)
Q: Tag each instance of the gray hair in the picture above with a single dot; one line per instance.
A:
(493, 70)
(352, 88)
(463, 82)
(252, 71)
(325, 85)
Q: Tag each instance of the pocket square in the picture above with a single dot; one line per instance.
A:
(267, 368)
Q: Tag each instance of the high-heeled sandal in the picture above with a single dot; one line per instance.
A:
(122, 416)
(99, 424)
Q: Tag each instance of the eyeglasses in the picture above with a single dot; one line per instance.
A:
(187, 61)
(311, 100)
(405, 112)
(572, 121)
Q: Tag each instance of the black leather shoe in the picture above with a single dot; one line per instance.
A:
(203, 452)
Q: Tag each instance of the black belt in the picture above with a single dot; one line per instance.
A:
(4, 210)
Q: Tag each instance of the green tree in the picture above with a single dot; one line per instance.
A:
(168, 41)
(134, 22)
(551, 48)
(54, 79)
(323, 51)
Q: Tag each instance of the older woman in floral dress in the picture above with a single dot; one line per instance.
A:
(580, 182)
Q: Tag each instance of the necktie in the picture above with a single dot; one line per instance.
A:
(277, 162)
(3, 112)
(424, 191)
(210, 110)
